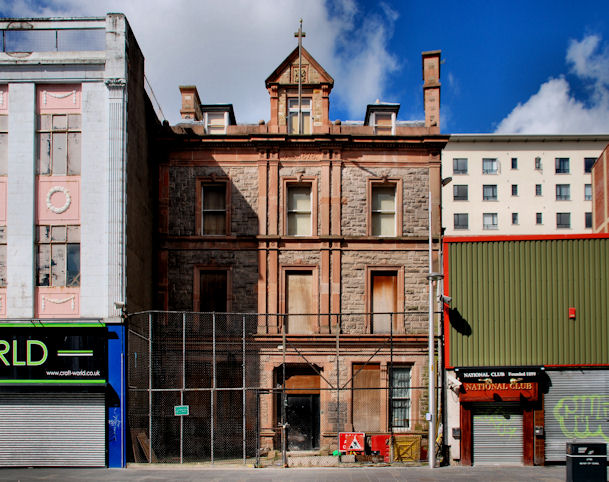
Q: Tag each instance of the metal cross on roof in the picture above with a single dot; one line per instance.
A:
(300, 34)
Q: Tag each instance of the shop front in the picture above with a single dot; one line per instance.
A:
(576, 408)
(500, 410)
(57, 407)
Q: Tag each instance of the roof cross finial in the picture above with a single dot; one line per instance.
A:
(300, 34)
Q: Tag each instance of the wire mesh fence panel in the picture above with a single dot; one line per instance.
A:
(197, 427)
(165, 433)
(249, 394)
(167, 351)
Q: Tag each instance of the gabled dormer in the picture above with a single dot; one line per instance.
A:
(315, 84)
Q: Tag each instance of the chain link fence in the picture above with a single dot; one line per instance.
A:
(214, 387)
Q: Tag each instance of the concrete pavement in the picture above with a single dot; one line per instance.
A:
(194, 472)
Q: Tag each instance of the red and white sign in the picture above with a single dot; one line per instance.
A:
(351, 441)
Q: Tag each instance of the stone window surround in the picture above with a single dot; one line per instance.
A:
(398, 322)
(199, 204)
(300, 180)
(386, 182)
(196, 302)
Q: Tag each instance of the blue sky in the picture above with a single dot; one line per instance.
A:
(513, 66)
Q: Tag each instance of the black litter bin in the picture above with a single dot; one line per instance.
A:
(586, 462)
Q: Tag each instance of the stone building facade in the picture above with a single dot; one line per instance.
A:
(321, 229)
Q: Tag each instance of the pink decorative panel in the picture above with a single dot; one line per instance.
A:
(2, 200)
(2, 302)
(58, 200)
(57, 302)
(55, 99)
(3, 99)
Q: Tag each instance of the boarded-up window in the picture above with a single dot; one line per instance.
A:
(58, 256)
(58, 145)
(213, 285)
(2, 256)
(300, 303)
(383, 210)
(213, 196)
(367, 397)
(384, 300)
(299, 209)
(383, 123)
(400, 397)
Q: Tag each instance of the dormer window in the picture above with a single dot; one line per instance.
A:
(305, 112)
(215, 122)
(382, 118)
(384, 123)
(217, 118)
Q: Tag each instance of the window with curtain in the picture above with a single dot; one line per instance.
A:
(489, 221)
(459, 165)
(489, 192)
(563, 220)
(213, 208)
(460, 192)
(305, 112)
(400, 397)
(562, 165)
(383, 210)
(299, 210)
(489, 166)
(563, 192)
(588, 192)
(461, 220)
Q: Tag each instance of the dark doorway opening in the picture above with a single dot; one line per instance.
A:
(301, 405)
(302, 413)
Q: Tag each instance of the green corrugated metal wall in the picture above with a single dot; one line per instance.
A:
(515, 297)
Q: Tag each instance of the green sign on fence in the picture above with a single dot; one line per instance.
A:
(181, 410)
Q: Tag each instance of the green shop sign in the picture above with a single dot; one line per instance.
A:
(59, 354)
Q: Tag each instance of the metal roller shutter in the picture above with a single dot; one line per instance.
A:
(52, 429)
(575, 407)
(497, 435)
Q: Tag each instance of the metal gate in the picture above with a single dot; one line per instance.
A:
(576, 408)
(210, 387)
(498, 436)
(52, 429)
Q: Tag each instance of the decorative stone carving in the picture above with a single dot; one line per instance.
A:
(62, 209)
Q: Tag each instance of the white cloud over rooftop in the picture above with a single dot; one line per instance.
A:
(228, 48)
(554, 109)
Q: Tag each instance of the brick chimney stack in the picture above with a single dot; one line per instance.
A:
(191, 104)
(431, 88)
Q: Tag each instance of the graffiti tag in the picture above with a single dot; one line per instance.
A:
(501, 424)
(581, 416)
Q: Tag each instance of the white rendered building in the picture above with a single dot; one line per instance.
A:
(75, 218)
(518, 184)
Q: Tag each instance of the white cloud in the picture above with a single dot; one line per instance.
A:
(554, 110)
(228, 48)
